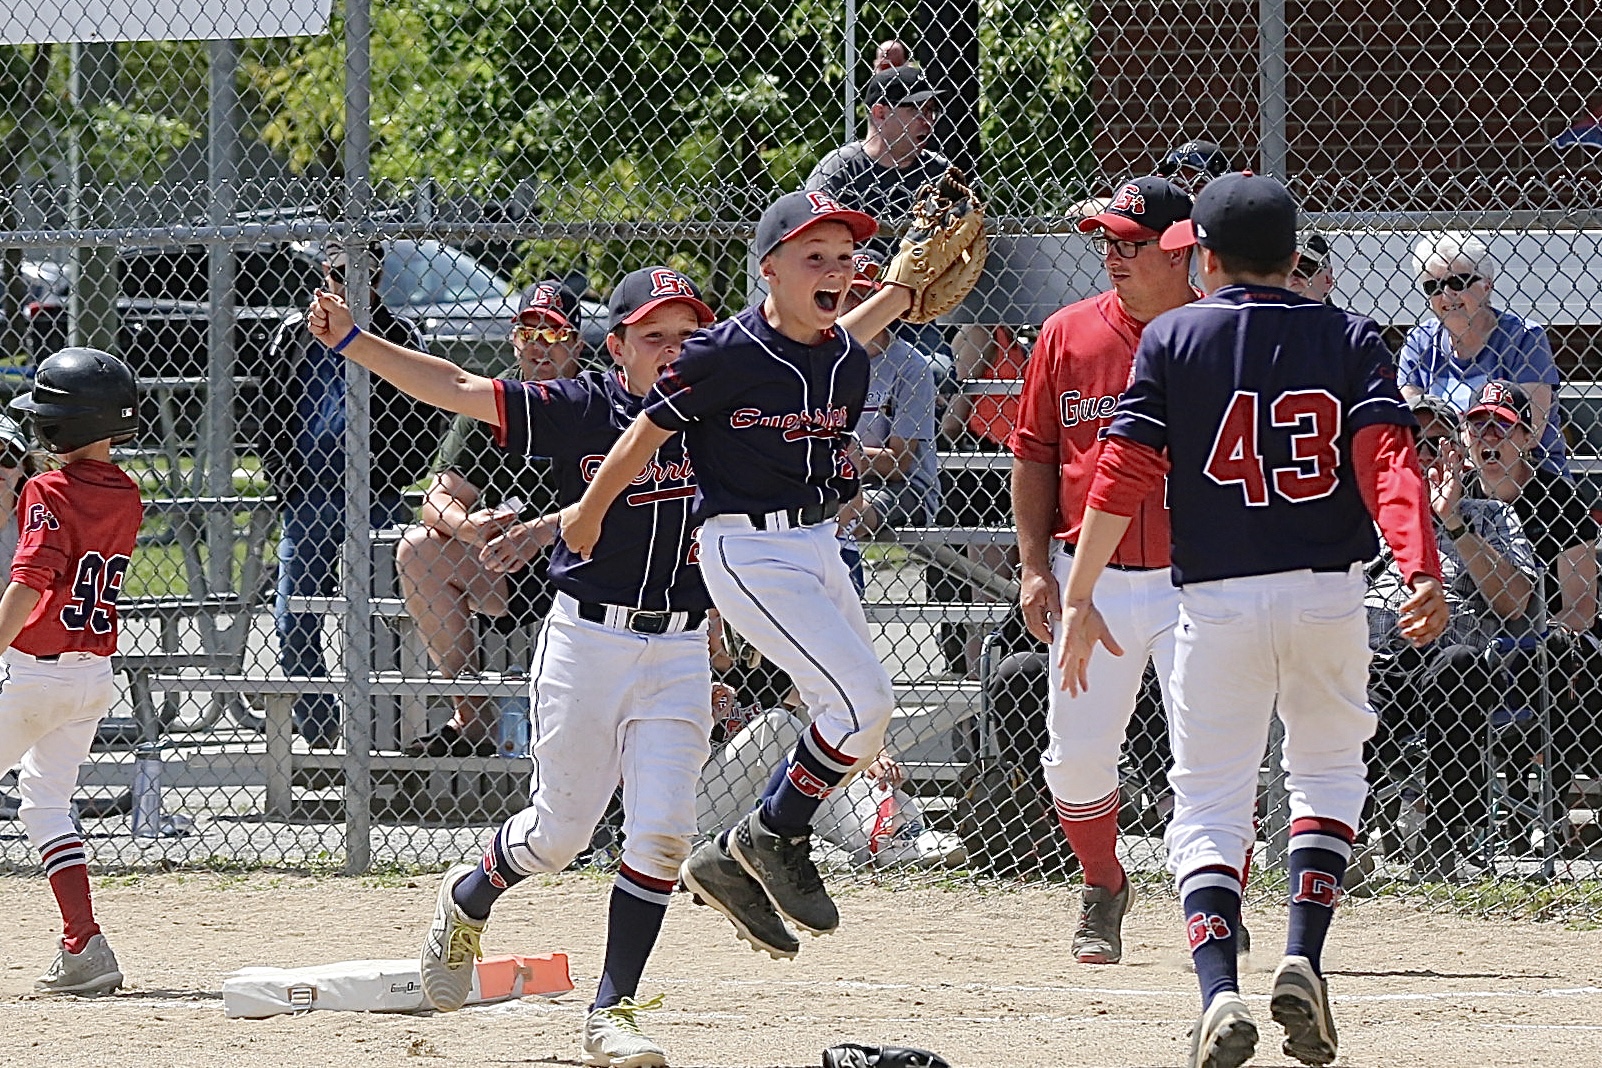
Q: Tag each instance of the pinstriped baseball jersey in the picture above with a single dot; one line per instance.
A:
(645, 558)
(765, 418)
(1267, 486)
(1080, 366)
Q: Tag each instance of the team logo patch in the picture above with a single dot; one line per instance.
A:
(865, 266)
(666, 283)
(808, 783)
(1319, 888)
(40, 517)
(546, 295)
(496, 879)
(1130, 200)
(823, 203)
(1204, 925)
(817, 423)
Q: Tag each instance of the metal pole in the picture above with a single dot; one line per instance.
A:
(92, 306)
(358, 718)
(850, 71)
(1272, 110)
(222, 139)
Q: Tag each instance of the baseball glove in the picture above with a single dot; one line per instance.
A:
(943, 253)
(851, 1055)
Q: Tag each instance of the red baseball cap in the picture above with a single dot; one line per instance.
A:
(1141, 210)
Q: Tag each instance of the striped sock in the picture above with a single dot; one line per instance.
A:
(633, 921)
(477, 892)
(815, 769)
(1092, 830)
(1211, 898)
(1319, 850)
(66, 865)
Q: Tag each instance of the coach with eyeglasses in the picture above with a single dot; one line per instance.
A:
(302, 451)
(1467, 341)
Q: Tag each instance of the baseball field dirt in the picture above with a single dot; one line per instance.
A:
(979, 977)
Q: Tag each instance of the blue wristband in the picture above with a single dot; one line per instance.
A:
(355, 332)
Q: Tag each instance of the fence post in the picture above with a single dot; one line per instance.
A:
(1272, 109)
(92, 305)
(357, 699)
(217, 441)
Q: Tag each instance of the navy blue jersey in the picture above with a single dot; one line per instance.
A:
(1255, 393)
(645, 558)
(766, 419)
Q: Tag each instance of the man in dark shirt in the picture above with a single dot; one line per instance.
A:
(302, 451)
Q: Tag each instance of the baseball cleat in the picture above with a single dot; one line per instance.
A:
(92, 970)
(451, 948)
(1225, 1036)
(1100, 937)
(783, 867)
(718, 882)
(1300, 1004)
(613, 1039)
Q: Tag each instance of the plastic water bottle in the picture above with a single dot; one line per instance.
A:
(147, 791)
(514, 722)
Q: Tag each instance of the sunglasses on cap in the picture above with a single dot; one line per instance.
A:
(1126, 249)
(1455, 282)
(550, 334)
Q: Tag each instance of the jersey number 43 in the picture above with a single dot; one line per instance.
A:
(1313, 417)
(94, 593)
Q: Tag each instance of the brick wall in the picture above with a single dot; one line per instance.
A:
(1394, 104)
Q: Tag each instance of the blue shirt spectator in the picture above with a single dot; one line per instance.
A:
(1468, 342)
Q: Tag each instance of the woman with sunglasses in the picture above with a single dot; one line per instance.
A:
(1467, 341)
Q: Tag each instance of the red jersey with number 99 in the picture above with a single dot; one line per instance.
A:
(75, 533)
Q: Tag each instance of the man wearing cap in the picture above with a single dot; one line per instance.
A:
(302, 450)
(1445, 690)
(1314, 274)
(1281, 433)
(479, 495)
(1079, 368)
(620, 675)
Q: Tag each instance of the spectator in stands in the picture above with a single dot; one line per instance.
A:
(900, 472)
(480, 495)
(1314, 274)
(303, 454)
(1467, 341)
(891, 53)
(1445, 691)
(1499, 436)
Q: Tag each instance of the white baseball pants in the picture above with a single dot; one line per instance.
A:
(1295, 644)
(1085, 733)
(48, 716)
(609, 704)
(789, 592)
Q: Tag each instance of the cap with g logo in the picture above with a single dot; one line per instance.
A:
(1141, 210)
(551, 301)
(1505, 400)
(643, 291)
(794, 213)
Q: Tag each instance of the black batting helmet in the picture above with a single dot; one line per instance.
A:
(81, 396)
(1202, 156)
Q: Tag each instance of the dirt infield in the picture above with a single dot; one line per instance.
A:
(978, 977)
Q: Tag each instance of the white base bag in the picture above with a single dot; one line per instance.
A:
(382, 985)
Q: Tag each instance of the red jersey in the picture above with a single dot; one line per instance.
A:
(1080, 366)
(75, 532)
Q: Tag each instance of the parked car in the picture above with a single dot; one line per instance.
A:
(463, 309)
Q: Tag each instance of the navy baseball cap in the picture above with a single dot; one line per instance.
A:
(896, 86)
(1505, 400)
(792, 214)
(1242, 214)
(1428, 404)
(643, 291)
(1141, 210)
(1201, 156)
(552, 301)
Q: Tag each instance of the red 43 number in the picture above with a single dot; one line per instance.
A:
(1314, 418)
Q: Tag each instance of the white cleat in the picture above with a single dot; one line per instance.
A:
(451, 948)
(1226, 1034)
(613, 1039)
(93, 970)
(1300, 1004)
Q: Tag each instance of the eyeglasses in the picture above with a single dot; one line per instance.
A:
(1126, 249)
(1455, 282)
(1491, 431)
(551, 335)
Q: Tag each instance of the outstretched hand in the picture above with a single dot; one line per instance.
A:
(329, 318)
(1083, 629)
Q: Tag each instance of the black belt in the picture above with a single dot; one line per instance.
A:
(53, 658)
(805, 516)
(640, 622)
(1069, 549)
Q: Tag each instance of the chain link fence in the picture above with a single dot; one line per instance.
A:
(319, 668)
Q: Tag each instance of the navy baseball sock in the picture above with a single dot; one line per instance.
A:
(812, 772)
(1319, 850)
(1211, 899)
(633, 921)
(476, 893)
